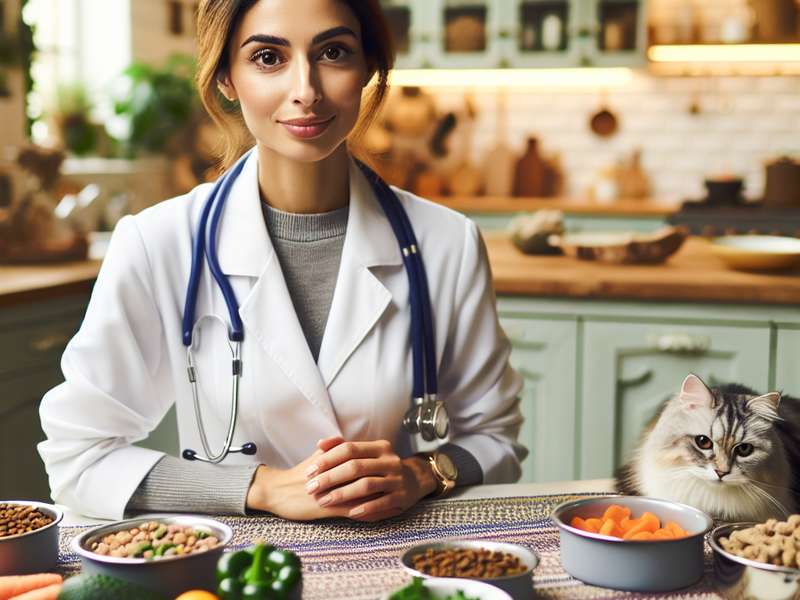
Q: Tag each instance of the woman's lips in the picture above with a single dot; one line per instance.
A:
(307, 128)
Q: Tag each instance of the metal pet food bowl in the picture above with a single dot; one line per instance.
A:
(740, 578)
(519, 585)
(632, 565)
(168, 576)
(35, 551)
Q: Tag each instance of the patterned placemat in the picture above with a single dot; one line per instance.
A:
(345, 559)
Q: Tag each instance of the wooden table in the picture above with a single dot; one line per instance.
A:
(22, 284)
(691, 274)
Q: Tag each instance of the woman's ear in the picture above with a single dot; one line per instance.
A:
(371, 70)
(226, 86)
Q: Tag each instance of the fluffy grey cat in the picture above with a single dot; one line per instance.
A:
(728, 451)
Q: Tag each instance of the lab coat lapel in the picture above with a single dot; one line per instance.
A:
(266, 309)
(360, 298)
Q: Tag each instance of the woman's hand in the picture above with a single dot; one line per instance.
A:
(283, 493)
(366, 480)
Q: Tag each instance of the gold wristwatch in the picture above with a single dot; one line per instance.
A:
(444, 471)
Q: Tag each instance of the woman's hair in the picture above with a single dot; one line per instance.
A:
(216, 22)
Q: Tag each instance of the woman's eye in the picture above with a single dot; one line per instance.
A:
(703, 442)
(334, 53)
(266, 58)
(744, 449)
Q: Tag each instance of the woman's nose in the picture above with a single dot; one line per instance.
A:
(306, 88)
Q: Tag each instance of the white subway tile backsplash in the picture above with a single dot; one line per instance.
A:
(787, 103)
(731, 122)
(753, 103)
(778, 85)
(774, 122)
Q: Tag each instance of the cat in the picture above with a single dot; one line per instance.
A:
(727, 451)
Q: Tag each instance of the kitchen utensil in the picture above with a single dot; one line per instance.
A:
(501, 160)
(168, 576)
(739, 578)
(782, 187)
(757, 252)
(35, 551)
(632, 565)
(622, 247)
(604, 122)
(446, 587)
(518, 586)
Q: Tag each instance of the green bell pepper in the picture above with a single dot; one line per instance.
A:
(260, 572)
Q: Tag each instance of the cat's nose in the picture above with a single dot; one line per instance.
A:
(721, 474)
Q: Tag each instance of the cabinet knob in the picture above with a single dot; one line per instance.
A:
(679, 342)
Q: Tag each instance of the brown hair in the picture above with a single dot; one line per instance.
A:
(216, 22)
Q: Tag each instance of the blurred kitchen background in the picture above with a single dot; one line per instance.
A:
(582, 115)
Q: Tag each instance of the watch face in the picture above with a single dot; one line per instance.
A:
(446, 465)
(440, 420)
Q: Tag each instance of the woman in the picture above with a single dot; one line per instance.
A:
(324, 411)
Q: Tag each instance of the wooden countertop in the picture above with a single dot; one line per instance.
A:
(621, 207)
(691, 274)
(20, 284)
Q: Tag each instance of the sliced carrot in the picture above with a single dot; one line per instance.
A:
(594, 524)
(647, 522)
(643, 535)
(16, 585)
(579, 523)
(611, 528)
(664, 534)
(676, 529)
(49, 592)
(626, 524)
(617, 513)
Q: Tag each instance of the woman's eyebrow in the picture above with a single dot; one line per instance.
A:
(331, 33)
(263, 38)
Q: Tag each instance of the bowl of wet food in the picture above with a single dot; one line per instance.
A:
(168, 554)
(506, 566)
(757, 561)
(632, 543)
(28, 537)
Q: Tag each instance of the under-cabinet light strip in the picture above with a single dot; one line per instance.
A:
(590, 77)
(726, 53)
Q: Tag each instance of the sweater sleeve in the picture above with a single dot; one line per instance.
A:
(175, 485)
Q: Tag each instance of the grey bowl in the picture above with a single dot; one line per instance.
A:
(35, 551)
(632, 565)
(519, 586)
(168, 576)
(743, 579)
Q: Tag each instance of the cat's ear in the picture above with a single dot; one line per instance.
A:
(695, 394)
(766, 406)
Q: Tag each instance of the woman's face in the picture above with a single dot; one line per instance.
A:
(298, 69)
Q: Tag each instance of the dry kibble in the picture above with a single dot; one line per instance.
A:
(773, 542)
(466, 562)
(16, 519)
(152, 540)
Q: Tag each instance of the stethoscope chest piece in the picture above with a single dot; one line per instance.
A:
(428, 418)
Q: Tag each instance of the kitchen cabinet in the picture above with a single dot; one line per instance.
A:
(625, 359)
(490, 34)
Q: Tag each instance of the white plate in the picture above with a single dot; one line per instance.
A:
(442, 587)
(757, 252)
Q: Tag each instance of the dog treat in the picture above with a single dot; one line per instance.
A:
(16, 519)
(773, 542)
(466, 562)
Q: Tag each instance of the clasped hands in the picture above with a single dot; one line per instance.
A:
(366, 481)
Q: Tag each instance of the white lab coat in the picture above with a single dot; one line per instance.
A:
(127, 364)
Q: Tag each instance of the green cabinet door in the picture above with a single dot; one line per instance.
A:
(544, 353)
(629, 369)
(787, 362)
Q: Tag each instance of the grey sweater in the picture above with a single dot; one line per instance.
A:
(309, 249)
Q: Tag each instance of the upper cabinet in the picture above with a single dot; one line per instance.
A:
(491, 34)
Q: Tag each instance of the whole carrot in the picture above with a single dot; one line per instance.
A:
(16, 585)
(49, 592)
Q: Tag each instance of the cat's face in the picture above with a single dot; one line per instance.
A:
(724, 440)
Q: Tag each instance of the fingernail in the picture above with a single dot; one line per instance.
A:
(312, 470)
(312, 486)
(357, 511)
(324, 500)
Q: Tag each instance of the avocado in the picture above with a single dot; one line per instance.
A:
(104, 587)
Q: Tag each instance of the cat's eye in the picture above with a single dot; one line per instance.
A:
(744, 449)
(703, 442)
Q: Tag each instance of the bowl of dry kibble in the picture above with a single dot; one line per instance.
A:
(507, 566)
(169, 554)
(28, 537)
(757, 561)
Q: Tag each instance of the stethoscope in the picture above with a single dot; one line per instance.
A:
(427, 416)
